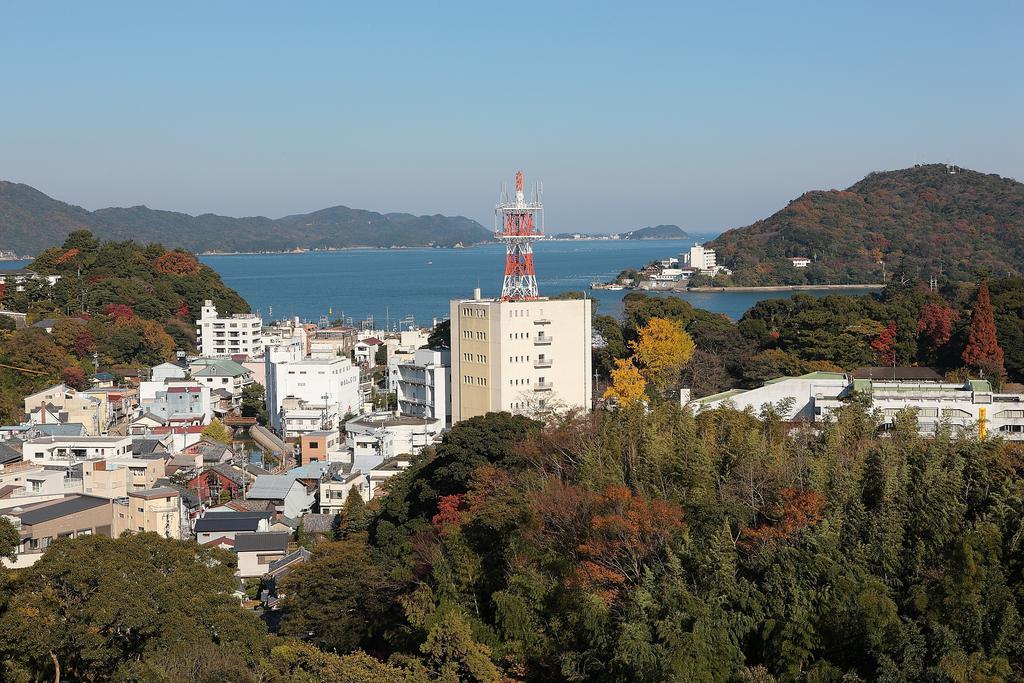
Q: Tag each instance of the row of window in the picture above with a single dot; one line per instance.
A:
(474, 312)
(469, 334)
(520, 359)
(521, 312)
(470, 379)
(478, 357)
(519, 335)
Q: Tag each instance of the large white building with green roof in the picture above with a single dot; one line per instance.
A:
(970, 408)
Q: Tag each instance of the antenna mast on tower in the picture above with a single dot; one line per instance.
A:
(518, 224)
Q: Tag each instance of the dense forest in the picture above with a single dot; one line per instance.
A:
(130, 305)
(30, 221)
(906, 324)
(640, 544)
(930, 220)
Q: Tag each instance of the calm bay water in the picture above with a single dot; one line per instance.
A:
(391, 284)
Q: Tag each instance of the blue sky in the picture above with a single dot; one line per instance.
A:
(632, 113)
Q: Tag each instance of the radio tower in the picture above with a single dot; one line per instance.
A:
(518, 223)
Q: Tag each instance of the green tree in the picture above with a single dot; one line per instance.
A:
(68, 615)
(337, 598)
(254, 402)
(217, 432)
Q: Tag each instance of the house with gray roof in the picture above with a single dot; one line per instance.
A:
(257, 551)
(292, 497)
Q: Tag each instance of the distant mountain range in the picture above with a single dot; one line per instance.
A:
(31, 221)
(929, 220)
(656, 232)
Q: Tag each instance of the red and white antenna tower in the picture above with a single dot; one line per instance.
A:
(518, 223)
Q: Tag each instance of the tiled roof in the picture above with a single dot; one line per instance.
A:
(317, 523)
(262, 541)
(63, 507)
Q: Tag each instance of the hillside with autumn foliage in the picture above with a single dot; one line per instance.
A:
(131, 305)
(927, 220)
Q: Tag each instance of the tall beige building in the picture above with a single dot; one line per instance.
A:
(520, 356)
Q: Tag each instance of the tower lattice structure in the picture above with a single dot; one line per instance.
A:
(518, 223)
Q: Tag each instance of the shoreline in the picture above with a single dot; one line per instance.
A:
(779, 288)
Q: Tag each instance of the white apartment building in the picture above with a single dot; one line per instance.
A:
(380, 436)
(238, 334)
(299, 416)
(519, 356)
(72, 449)
(314, 380)
(423, 385)
(700, 258)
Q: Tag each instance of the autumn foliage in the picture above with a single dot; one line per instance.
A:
(176, 263)
(884, 345)
(983, 351)
(68, 255)
(628, 383)
(936, 324)
(796, 510)
(119, 312)
(661, 350)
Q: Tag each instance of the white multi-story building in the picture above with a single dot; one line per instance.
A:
(968, 408)
(239, 334)
(700, 258)
(300, 417)
(314, 380)
(69, 450)
(519, 356)
(423, 385)
(380, 436)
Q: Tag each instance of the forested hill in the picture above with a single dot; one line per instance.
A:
(118, 304)
(929, 220)
(30, 221)
(657, 232)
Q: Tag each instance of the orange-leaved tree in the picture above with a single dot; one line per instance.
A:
(661, 350)
(983, 351)
(628, 384)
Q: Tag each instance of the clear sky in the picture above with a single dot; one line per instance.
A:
(706, 115)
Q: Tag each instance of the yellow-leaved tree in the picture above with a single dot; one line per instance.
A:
(628, 384)
(662, 349)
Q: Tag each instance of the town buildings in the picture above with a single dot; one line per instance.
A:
(239, 334)
(520, 356)
(423, 385)
(332, 380)
(970, 407)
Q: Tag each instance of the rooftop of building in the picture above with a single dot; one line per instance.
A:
(79, 439)
(153, 493)
(897, 373)
(272, 487)
(262, 541)
(391, 420)
(55, 509)
(218, 367)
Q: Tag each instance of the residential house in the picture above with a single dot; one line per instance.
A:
(322, 446)
(334, 491)
(156, 510)
(257, 551)
(221, 527)
(219, 482)
(385, 435)
(291, 497)
(41, 524)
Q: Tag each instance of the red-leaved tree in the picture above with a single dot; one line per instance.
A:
(119, 312)
(936, 324)
(983, 352)
(884, 345)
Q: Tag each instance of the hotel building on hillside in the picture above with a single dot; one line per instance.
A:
(519, 356)
(220, 337)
